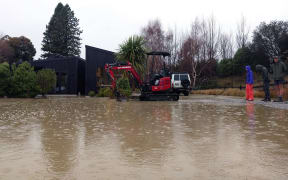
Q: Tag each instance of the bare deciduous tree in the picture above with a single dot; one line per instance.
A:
(159, 40)
(242, 33)
(226, 47)
(172, 46)
(154, 38)
(154, 35)
(195, 52)
(168, 44)
(199, 48)
(223, 46)
(213, 38)
(231, 46)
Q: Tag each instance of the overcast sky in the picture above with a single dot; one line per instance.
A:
(107, 23)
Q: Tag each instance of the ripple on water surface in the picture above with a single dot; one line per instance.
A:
(198, 137)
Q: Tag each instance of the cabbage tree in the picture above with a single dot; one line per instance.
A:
(133, 50)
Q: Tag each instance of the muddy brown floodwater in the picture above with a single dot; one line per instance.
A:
(198, 137)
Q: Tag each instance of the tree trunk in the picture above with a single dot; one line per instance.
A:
(194, 79)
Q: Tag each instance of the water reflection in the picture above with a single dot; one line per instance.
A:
(59, 139)
(145, 132)
(99, 138)
(250, 115)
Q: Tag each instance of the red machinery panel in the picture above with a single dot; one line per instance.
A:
(164, 84)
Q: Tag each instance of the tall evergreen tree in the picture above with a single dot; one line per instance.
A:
(62, 35)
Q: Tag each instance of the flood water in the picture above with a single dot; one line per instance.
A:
(198, 137)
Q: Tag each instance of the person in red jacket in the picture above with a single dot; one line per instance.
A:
(249, 84)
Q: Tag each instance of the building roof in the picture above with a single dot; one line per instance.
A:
(98, 49)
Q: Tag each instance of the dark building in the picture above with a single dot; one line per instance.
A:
(75, 75)
(70, 73)
(95, 73)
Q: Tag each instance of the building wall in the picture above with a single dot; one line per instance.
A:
(73, 68)
(82, 76)
(95, 58)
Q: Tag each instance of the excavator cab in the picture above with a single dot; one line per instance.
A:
(158, 81)
(163, 72)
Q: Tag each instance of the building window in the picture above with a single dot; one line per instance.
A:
(61, 85)
(63, 82)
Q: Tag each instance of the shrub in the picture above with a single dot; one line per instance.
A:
(91, 93)
(46, 80)
(242, 57)
(4, 78)
(225, 68)
(123, 87)
(105, 92)
(23, 81)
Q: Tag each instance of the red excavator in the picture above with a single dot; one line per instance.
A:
(156, 87)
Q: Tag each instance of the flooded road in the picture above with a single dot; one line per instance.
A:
(198, 137)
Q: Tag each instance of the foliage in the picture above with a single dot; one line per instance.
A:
(14, 49)
(123, 87)
(225, 68)
(46, 80)
(133, 50)
(91, 93)
(4, 78)
(6, 51)
(242, 58)
(105, 92)
(23, 48)
(62, 35)
(23, 81)
(270, 40)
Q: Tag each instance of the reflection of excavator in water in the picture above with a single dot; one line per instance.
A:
(162, 86)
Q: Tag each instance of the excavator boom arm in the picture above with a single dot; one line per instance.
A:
(118, 66)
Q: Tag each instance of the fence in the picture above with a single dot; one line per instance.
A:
(214, 84)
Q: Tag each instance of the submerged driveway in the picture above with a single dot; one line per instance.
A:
(198, 137)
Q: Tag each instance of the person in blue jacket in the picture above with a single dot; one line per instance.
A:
(249, 84)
